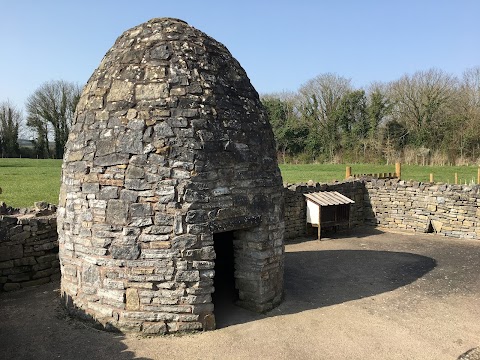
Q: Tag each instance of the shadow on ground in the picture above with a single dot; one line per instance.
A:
(314, 279)
(331, 234)
(33, 325)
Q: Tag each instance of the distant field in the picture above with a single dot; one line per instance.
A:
(25, 181)
(331, 172)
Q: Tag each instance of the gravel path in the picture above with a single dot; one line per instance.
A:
(358, 295)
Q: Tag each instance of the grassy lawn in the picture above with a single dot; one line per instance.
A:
(330, 172)
(25, 181)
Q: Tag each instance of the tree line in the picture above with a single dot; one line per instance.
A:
(49, 115)
(429, 117)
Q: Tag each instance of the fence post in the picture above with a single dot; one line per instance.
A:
(398, 170)
(431, 177)
(348, 172)
(456, 178)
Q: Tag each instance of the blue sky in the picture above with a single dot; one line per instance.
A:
(281, 44)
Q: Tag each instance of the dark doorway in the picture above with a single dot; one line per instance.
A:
(225, 293)
(430, 228)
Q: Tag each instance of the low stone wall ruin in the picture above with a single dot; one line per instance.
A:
(28, 247)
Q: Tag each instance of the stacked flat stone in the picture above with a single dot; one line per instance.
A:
(296, 206)
(446, 209)
(170, 145)
(28, 248)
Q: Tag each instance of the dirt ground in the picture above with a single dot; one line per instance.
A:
(364, 294)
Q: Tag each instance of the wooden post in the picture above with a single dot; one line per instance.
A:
(348, 172)
(398, 170)
(319, 222)
(456, 178)
(431, 177)
(478, 175)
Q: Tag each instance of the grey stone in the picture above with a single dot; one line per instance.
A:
(136, 184)
(130, 143)
(117, 212)
(184, 241)
(163, 130)
(160, 52)
(163, 219)
(134, 172)
(109, 160)
(129, 195)
(108, 192)
(141, 210)
(92, 188)
(125, 252)
(105, 147)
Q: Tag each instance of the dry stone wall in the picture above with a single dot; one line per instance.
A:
(450, 210)
(28, 248)
(296, 208)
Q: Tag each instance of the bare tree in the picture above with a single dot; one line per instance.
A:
(471, 86)
(467, 134)
(319, 99)
(10, 118)
(324, 92)
(422, 103)
(50, 110)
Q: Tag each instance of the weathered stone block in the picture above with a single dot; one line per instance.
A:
(19, 277)
(151, 91)
(120, 90)
(125, 252)
(132, 299)
(154, 328)
(117, 212)
(141, 210)
(91, 188)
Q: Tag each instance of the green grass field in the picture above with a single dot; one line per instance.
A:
(25, 181)
(330, 172)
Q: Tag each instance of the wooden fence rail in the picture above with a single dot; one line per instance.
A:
(385, 175)
(397, 174)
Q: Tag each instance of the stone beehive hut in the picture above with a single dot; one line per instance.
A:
(169, 170)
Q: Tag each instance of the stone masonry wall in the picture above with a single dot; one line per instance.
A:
(169, 147)
(295, 204)
(450, 210)
(28, 250)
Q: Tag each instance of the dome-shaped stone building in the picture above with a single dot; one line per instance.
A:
(170, 185)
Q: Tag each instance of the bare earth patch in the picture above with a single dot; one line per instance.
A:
(357, 295)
